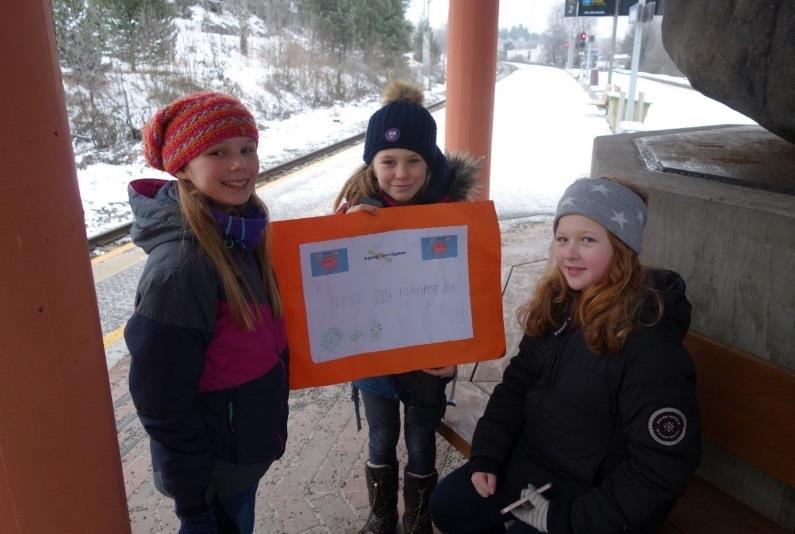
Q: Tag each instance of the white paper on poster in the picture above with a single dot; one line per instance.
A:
(386, 291)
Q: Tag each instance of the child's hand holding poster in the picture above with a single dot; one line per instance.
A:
(409, 288)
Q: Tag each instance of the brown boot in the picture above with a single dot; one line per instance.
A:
(382, 488)
(416, 492)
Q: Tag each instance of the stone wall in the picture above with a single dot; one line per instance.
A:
(738, 52)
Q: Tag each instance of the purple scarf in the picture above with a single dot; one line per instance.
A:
(245, 232)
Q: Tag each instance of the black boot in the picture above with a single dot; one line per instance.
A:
(382, 488)
(416, 492)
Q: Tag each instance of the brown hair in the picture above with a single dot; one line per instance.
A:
(361, 183)
(606, 312)
(198, 216)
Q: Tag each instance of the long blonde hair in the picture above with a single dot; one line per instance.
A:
(361, 183)
(197, 213)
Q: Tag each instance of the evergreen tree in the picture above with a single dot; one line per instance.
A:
(81, 36)
(423, 32)
(141, 31)
(376, 28)
(393, 31)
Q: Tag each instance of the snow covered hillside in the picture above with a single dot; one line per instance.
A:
(294, 112)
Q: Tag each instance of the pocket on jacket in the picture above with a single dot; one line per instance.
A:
(248, 424)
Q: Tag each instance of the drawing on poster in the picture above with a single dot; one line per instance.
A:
(386, 291)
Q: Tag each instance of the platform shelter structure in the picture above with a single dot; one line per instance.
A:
(59, 455)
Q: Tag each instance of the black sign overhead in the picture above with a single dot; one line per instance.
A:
(571, 8)
(604, 8)
(596, 8)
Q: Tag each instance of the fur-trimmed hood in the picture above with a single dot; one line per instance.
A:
(464, 183)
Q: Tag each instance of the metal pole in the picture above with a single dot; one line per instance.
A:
(588, 57)
(471, 76)
(570, 52)
(613, 44)
(633, 77)
(426, 42)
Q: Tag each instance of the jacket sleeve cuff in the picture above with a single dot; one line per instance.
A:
(485, 465)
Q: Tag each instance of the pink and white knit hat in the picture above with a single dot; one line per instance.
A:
(183, 129)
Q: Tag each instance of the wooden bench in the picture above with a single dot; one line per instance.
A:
(747, 408)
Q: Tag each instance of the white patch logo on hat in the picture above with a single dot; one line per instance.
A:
(392, 135)
(667, 426)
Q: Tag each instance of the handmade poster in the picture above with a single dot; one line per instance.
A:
(386, 291)
(409, 288)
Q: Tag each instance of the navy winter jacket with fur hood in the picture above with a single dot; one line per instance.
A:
(461, 185)
(211, 396)
(617, 435)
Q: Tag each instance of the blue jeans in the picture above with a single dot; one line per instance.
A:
(232, 514)
(383, 421)
(456, 507)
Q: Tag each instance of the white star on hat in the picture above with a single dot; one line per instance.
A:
(568, 201)
(618, 216)
(640, 217)
(601, 188)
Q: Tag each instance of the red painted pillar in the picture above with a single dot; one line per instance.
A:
(60, 469)
(471, 75)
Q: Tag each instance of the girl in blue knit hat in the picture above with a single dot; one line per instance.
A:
(403, 166)
(594, 427)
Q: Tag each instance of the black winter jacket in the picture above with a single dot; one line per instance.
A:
(617, 436)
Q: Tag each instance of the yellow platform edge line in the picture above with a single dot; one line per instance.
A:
(115, 252)
(112, 337)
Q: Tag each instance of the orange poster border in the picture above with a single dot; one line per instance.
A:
(483, 244)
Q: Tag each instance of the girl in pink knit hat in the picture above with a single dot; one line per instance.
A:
(209, 360)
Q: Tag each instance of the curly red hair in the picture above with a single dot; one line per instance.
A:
(606, 312)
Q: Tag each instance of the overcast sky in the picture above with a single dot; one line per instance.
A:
(531, 13)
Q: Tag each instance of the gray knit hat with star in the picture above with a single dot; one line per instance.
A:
(614, 206)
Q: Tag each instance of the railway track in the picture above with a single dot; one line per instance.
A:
(106, 240)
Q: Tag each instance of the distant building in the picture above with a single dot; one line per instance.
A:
(622, 61)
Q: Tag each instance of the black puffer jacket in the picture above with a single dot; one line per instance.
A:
(618, 436)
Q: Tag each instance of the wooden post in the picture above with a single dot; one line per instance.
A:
(60, 468)
(471, 75)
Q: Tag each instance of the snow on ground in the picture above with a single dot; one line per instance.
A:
(678, 107)
(544, 126)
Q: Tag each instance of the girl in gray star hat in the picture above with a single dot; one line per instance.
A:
(600, 402)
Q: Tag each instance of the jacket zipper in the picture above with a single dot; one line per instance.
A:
(230, 415)
(282, 441)
(560, 337)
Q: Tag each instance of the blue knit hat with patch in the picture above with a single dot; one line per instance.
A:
(404, 122)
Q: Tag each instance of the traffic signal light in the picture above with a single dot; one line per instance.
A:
(582, 37)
